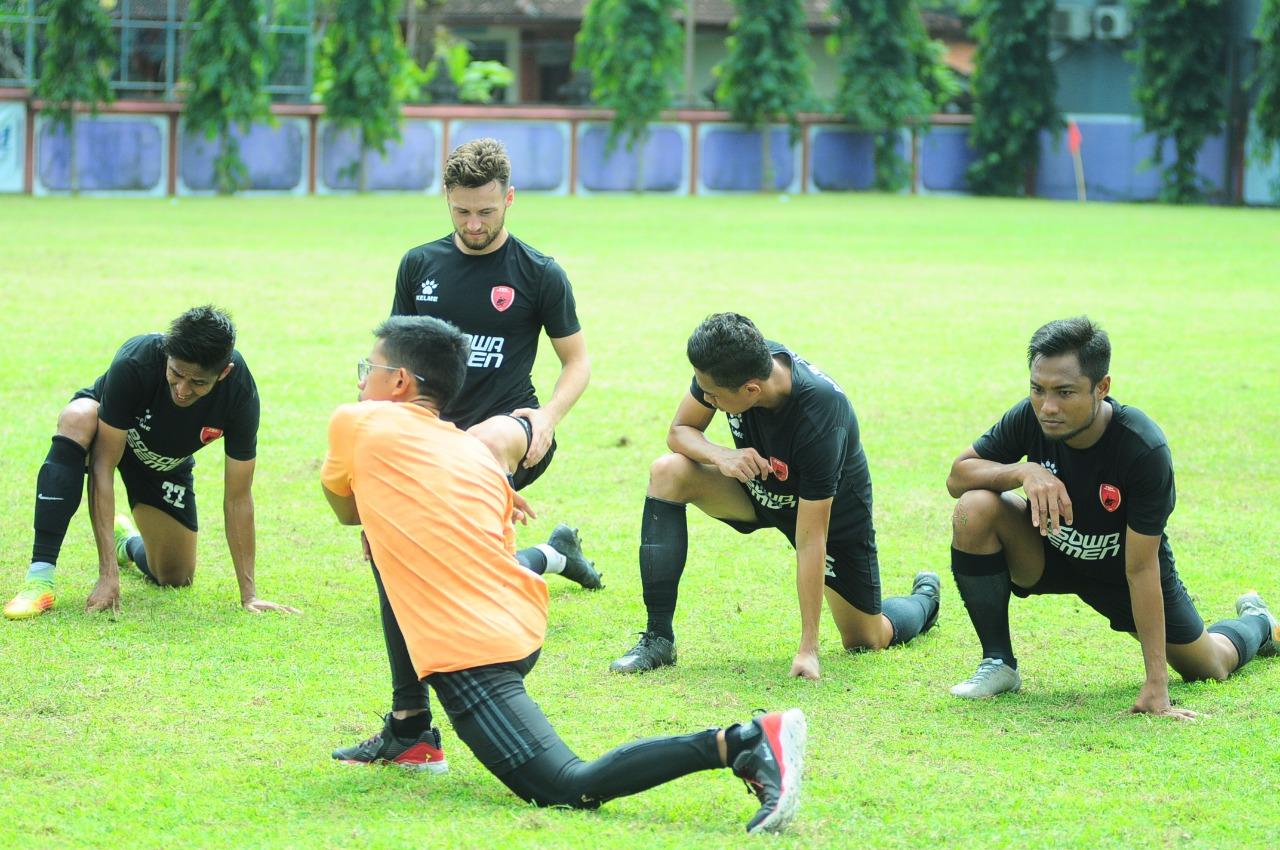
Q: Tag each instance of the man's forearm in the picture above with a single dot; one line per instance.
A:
(238, 518)
(693, 444)
(102, 511)
(978, 474)
(810, 576)
(1148, 615)
(569, 387)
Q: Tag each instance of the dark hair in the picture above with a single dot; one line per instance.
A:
(1078, 336)
(477, 163)
(203, 336)
(729, 348)
(433, 350)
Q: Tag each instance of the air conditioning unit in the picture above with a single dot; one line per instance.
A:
(1112, 23)
(1070, 23)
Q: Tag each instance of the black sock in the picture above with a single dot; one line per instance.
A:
(1246, 634)
(738, 738)
(138, 554)
(412, 726)
(907, 615)
(664, 546)
(984, 585)
(532, 560)
(59, 487)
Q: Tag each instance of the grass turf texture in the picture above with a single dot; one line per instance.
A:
(187, 722)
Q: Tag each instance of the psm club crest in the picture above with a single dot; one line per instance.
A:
(502, 297)
(1109, 495)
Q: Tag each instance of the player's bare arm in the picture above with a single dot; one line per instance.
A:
(108, 448)
(1050, 504)
(812, 521)
(575, 373)
(1142, 570)
(344, 507)
(687, 436)
(237, 512)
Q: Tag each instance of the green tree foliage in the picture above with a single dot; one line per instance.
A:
(633, 50)
(766, 73)
(225, 69)
(75, 65)
(890, 75)
(1267, 78)
(1180, 83)
(1014, 90)
(363, 64)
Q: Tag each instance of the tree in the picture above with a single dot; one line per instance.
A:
(633, 50)
(75, 65)
(225, 69)
(1267, 78)
(766, 73)
(886, 64)
(1014, 92)
(1180, 84)
(361, 74)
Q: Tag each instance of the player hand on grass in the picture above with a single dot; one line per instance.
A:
(257, 606)
(105, 596)
(543, 430)
(1153, 699)
(1050, 504)
(522, 512)
(805, 665)
(742, 464)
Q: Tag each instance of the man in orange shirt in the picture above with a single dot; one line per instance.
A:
(437, 510)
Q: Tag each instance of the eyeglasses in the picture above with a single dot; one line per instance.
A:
(365, 366)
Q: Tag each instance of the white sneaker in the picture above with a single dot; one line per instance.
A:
(1251, 604)
(992, 678)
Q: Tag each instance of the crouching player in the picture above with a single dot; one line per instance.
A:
(164, 397)
(437, 510)
(1098, 479)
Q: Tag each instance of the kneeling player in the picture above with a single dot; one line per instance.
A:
(437, 510)
(164, 397)
(1098, 479)
(798, 466)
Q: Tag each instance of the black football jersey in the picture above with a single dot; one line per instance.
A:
(813, 445)
(502, 301)
(1124, 480)
(134, 397)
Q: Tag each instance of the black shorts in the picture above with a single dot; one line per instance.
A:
(852, 569)
(523, 477)
(493, 714)
(172, 492)
(1182, 623)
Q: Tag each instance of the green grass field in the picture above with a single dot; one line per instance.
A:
(185, 722)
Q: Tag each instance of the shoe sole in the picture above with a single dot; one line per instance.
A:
(1268, 649)
(793, 732)
(937, 587)
(615, 667)
(584, 574)
(1015, 689)
(432, 767)
(30, 613)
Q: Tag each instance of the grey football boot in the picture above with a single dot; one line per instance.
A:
(992, 678)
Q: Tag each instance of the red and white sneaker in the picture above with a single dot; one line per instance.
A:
(773, 769)
(422, 753)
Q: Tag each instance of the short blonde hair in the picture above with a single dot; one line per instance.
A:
(477, 163)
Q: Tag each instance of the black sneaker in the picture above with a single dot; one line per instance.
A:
(422, 753)
(773, 769)
(649, 653)
(565, 540)
(927, 584)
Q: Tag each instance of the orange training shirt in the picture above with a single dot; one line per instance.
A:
(436, 508)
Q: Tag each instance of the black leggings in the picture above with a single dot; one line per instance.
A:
(506, 730)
